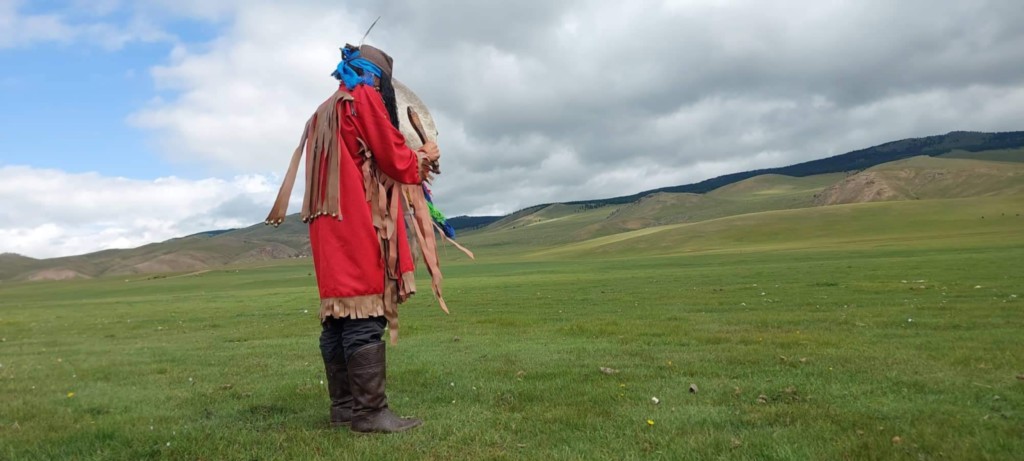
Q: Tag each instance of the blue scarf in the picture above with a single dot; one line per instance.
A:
(346, 70)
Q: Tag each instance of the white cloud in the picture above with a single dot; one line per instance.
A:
(51, 213)
(552, 101)
(242, 99)
(18, 29)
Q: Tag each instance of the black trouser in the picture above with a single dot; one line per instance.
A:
(348, 335)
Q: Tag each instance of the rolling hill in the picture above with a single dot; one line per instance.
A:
(1001, 146)
(965, 222)
(917, 178)
(12, 264)
(959, 165)
(186, 254)
(923, 177)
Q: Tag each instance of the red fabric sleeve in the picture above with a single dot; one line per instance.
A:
(393, 157)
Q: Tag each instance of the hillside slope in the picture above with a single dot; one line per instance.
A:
(193, 253)
(956, 141)
(996, 155)
(12, 264)
(1007, 146)
(923, 177)
(960, 222)
(919, 178)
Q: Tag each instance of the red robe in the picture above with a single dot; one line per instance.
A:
(349, 253)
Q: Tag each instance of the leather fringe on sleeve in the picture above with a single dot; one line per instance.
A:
(319, 141)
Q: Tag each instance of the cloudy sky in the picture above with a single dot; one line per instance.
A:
(123, 123)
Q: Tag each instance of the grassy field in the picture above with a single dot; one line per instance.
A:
(873, 332)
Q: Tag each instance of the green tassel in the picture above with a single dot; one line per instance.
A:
(436, 214)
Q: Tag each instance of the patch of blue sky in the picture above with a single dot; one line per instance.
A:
(66, 105)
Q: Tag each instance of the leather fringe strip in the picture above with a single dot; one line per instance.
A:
(423, 226)
(322, 196)
(356, 307)
(383, 196)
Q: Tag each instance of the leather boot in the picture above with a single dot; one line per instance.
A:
(370, 412)
(341, 395)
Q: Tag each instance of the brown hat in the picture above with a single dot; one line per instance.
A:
(378, 57)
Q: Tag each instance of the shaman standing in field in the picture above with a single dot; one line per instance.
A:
(360, 176)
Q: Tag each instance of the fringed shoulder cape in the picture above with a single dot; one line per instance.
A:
(360, 178)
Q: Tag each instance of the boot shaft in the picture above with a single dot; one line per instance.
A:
(338, 388)
(367, 372)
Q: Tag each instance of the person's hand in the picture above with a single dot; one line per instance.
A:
(429, 155)
(432, 152)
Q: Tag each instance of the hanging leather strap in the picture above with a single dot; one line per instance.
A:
(280, 208)
(320, 142)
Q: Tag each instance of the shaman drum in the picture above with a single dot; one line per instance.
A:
(406, 98)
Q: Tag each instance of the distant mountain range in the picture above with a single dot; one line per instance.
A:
(966, 141)
(965, 164)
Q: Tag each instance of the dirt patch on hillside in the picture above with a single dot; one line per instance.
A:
(177, 262)
(862, 187)
(56, 274)
(265, 253)
(926, 178)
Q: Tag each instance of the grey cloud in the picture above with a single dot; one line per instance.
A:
(241, 208)
(542, 101)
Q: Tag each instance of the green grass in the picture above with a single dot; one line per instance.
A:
(881, 324)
